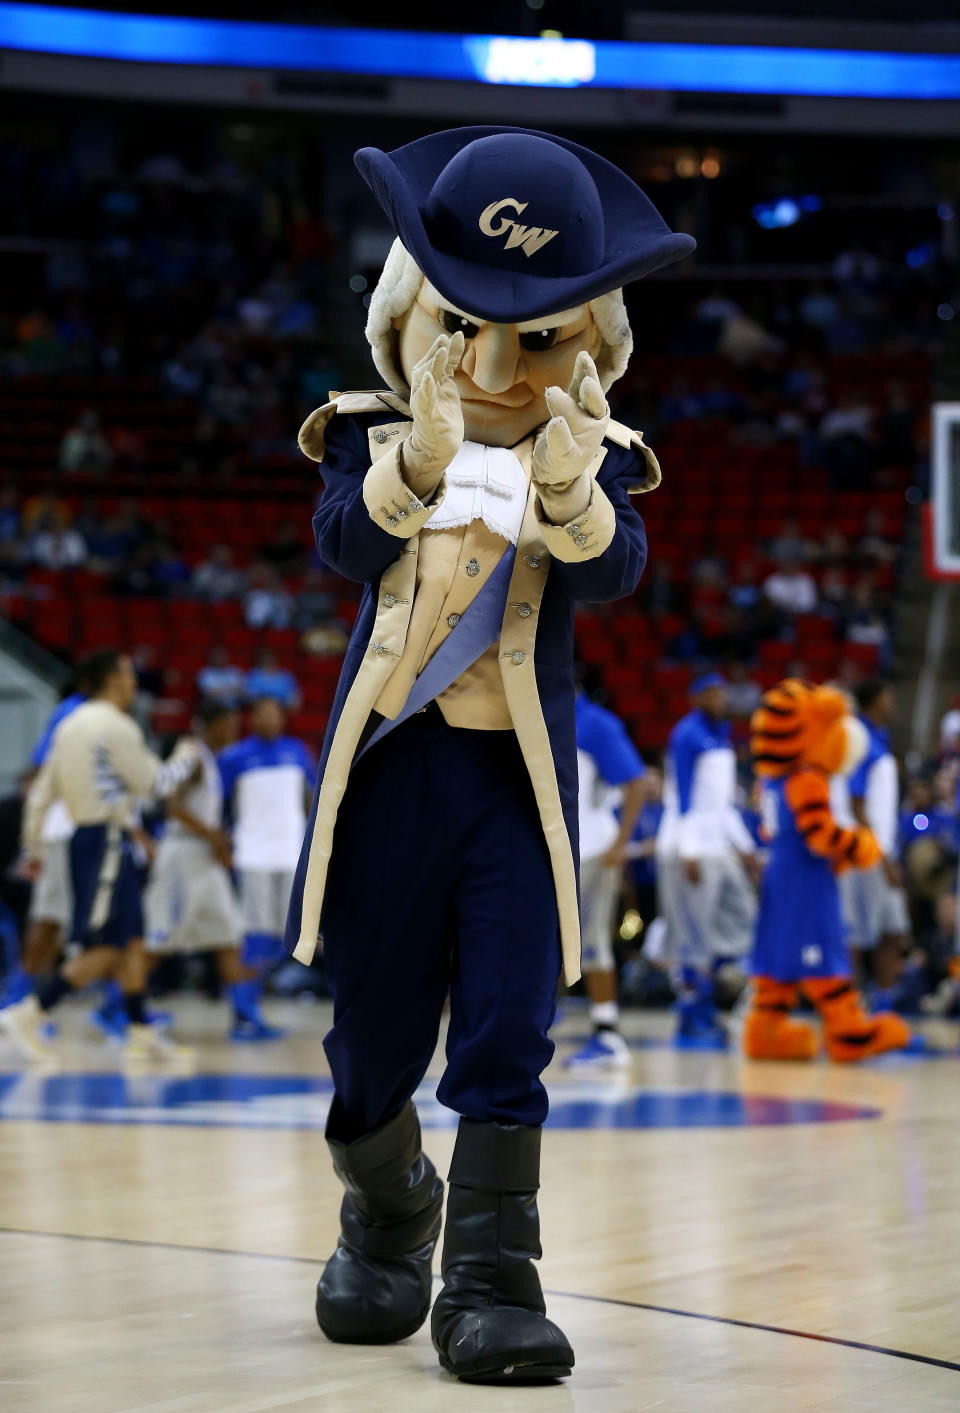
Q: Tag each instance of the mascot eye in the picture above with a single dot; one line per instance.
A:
(539, 338)
(455, 323)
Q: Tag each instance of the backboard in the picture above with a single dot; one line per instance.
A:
(942, 522)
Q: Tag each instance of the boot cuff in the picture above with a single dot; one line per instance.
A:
(393, 1146)
(496, 1157)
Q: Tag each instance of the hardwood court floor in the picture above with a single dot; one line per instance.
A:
(718, 1235)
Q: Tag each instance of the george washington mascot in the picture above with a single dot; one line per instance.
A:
(477, 497)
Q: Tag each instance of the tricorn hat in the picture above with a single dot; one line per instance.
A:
(511, 224)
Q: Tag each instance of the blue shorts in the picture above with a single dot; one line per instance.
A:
(106, 887)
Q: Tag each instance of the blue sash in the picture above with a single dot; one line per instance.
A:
(478, 629)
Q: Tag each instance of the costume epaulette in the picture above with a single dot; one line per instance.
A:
(312, 433)
(624, 436)
(311, 436)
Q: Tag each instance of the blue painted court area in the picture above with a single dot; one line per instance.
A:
(301, 1102)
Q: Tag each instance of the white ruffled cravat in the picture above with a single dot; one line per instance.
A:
(483, 483)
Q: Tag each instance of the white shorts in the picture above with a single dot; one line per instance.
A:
(189, 904)
(872, 908)
(52, 896)
(264, 900)
(599, 891)
(709, 920)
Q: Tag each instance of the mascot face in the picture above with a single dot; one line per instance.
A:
(506, 368)
(798, 725)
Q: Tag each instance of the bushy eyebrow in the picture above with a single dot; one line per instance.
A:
(441, 301)
(551, 321)
(529, 326)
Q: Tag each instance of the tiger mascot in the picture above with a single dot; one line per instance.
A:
(800, 735)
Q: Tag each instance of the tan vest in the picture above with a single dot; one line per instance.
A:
(452, 567)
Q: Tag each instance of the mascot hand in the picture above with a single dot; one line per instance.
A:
(435, 403)
(577, 426)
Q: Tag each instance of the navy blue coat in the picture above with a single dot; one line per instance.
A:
(352, 542)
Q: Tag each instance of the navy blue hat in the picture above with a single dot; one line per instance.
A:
(511, 224)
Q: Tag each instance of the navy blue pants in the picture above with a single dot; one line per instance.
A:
(106, 888)
(440, 881)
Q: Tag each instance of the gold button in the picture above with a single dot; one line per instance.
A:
(524, 610)
(473, 568)
(517, 657)
(389, 600)
(453, 620)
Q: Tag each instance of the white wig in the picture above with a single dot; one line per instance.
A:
(399, 284)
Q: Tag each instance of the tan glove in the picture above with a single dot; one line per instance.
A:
(578, 423)
(435, 403)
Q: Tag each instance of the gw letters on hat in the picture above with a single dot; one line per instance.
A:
(511, 224)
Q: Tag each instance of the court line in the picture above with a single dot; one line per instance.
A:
(559, 1294)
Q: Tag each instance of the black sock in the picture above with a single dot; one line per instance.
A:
(53, 991)
(604, 1026)
(136, 1015)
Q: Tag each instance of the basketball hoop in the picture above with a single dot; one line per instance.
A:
(941, 516)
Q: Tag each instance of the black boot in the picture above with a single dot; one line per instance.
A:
(376, 1286)
(489, 1323)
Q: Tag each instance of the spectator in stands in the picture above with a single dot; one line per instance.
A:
(170, 571)
(743, 693)
(217, 577)
(818, 307)
(679, 404)
(285, 551)
(863, 621)
(113, 540)
(897, 428)
(790, 589)
(744, 593)
(58, 547)
(847, 437)
(658, 593)
(833, 548)
(211, 447)
(84, 448)
(39, 346)
(834, 593)
(716, 308)
(221, 680)
(315, 604)
(9, 515)
(269, 680)
(266, 603)
(789, 544)
(720, 400)
(43, 512)
(950, 730)
(12, 565)
(875, 547)
(744, 338)
(150, 682)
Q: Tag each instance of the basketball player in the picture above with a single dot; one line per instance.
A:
(267, 787)
(98, 766)
(51, 901)
(611, 772)
(190, 903)
(704, 852)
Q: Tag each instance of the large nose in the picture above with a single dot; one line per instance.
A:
(491, 359)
